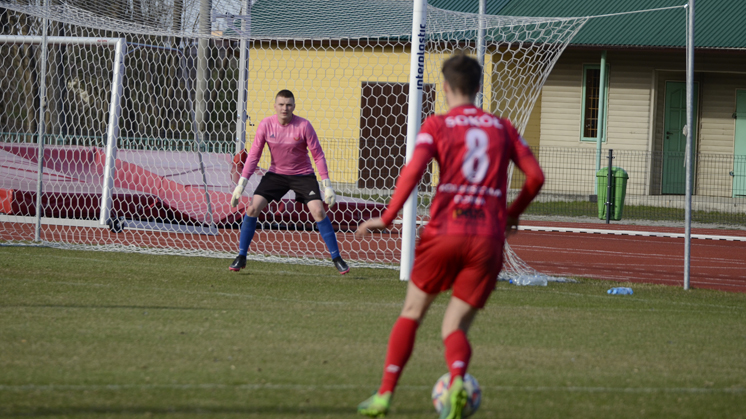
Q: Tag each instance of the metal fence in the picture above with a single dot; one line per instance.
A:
(654, 188)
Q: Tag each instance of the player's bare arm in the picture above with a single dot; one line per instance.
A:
(374, 224)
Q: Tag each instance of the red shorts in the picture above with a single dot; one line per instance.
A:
(468, 264)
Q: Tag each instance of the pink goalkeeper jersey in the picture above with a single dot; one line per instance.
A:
(289, 146)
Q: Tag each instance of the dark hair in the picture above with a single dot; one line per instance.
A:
(286, 94)
(463, 73)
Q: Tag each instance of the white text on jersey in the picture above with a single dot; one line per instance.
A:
(469, 189)
(485, 120)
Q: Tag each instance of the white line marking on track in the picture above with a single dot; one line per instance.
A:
(630, 233)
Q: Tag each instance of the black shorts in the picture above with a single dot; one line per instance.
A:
(273, 187)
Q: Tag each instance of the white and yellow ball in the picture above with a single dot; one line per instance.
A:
(474, 393)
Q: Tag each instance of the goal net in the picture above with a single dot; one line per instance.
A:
(197, 77)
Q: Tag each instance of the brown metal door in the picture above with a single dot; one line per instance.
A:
(383, 132)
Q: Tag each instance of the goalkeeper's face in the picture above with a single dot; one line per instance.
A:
(284, 107)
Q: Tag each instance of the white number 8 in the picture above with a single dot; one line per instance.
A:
(476, 161)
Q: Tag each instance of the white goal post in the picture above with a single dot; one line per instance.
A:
(108, 176)
(112, 131)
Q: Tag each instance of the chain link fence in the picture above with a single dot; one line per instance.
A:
(718, 194)
(571, 186)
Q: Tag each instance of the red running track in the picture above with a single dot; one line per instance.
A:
(715, 264)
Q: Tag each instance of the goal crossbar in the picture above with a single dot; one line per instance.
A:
(60, 40)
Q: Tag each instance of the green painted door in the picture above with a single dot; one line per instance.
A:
(739, 149)
(674, 139)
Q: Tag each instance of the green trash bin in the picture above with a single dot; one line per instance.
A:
(618, 191)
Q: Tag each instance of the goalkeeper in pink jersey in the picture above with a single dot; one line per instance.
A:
(289, 138)
(461, 248)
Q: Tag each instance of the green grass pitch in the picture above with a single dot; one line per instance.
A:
(93, 334)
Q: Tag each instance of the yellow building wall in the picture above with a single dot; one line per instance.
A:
(327, 84)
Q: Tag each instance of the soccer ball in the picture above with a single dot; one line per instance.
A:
(473, 392)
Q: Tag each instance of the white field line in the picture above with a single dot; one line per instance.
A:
(630, 233)
(301, 387)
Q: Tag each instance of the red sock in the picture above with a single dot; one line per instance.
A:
(458, 353)
(401, 343)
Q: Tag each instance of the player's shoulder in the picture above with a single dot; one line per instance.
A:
(431, 129)
(435, 119)
(506, 122)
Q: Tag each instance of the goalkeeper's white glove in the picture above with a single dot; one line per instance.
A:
(329, 196)
(238, 191)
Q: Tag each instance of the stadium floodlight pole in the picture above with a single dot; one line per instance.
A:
(42, 122)
(112, 131)
(689, 140)
(243, 77)
(480, 50)
(416, 84)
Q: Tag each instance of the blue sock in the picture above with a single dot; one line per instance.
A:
(248, 227)
(327, 233)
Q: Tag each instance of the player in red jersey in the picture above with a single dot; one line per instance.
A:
(462, 245)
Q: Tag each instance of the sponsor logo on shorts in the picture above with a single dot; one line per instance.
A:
(311, 194)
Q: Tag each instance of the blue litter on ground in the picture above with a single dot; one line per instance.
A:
(620, 291)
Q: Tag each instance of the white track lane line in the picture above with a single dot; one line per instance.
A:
(630, 233)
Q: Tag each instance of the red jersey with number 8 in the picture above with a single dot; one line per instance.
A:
(473, 149)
